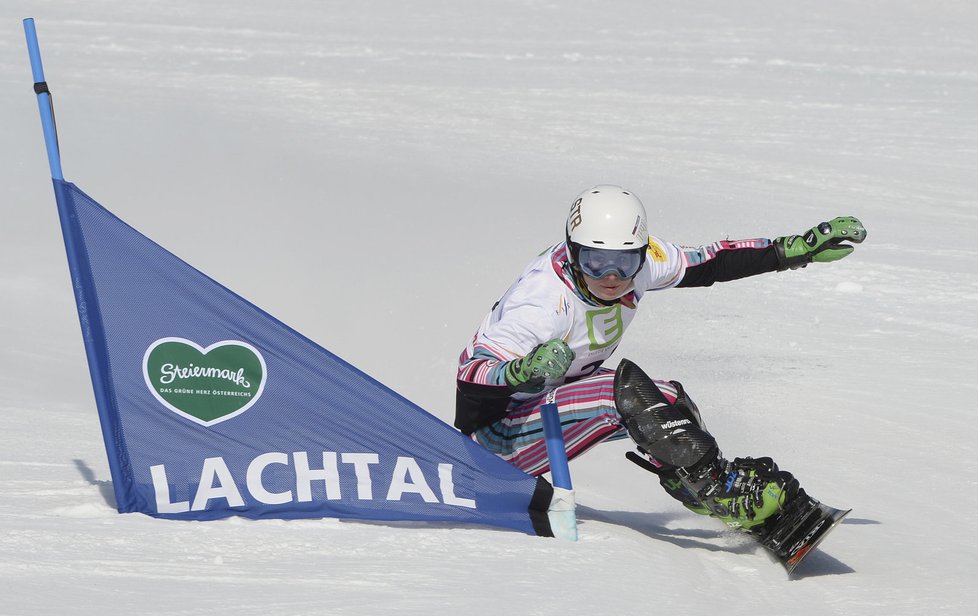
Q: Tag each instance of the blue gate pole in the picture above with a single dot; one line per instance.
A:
(562, 514)
(90, 321)
(44, 103)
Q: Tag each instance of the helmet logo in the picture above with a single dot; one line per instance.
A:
(574, 221)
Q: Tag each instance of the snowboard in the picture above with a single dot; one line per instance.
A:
(799, 529)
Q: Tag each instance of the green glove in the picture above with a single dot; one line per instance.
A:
(820, 244)
(549, 360)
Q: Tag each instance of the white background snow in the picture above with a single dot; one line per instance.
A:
(376, 173)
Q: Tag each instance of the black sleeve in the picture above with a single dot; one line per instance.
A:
(730, 264)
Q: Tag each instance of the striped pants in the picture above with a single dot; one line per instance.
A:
(587, 417)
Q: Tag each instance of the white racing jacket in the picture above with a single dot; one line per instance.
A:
(546, 302)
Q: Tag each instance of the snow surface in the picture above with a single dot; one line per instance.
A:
(440, 143)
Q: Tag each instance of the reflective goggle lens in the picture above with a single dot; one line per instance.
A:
(599, 262)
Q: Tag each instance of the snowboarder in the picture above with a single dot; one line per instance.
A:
(565, 315)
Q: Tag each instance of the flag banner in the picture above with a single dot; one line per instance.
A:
(210, 407)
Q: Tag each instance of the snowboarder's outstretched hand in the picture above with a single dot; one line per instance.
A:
(821, 244)
(549, 360)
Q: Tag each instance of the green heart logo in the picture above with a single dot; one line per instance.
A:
(206, 386)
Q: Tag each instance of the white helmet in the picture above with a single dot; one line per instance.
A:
(607, 218)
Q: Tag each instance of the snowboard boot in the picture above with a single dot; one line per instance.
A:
(745, 493)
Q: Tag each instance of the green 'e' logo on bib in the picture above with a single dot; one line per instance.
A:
(608, 323)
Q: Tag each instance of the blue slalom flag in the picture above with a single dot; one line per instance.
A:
(211, 407)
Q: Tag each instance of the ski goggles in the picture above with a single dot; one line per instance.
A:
(599, 262)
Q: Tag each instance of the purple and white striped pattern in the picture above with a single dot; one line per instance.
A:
(485, 366)
(587, 417)
(702, 254)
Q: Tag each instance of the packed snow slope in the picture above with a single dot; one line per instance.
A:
(376, 173)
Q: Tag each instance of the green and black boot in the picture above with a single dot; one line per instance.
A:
(744, 493)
